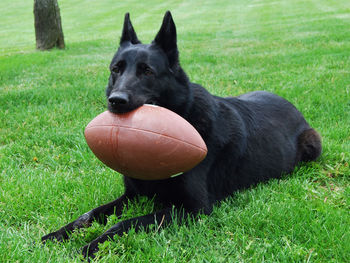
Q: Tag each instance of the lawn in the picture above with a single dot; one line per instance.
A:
(298, 49)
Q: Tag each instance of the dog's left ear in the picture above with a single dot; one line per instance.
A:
(166, 39)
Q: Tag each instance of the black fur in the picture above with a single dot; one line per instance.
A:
(250, 138)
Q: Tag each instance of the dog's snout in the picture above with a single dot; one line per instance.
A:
(118, 98)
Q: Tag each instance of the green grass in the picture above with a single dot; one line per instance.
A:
(299, 49)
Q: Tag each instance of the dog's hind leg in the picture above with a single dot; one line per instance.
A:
(309, 145)
(98, 214)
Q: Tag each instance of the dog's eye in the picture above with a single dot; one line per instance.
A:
(115, 69)
(118, 68)
(146, 70)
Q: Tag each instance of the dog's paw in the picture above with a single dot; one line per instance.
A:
(55, 236)
(89, 250)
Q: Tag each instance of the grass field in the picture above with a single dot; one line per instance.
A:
(299, 49)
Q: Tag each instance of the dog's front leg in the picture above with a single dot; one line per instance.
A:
(99, 214)
(159, 218)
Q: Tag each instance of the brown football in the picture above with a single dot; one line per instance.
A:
(149, 143)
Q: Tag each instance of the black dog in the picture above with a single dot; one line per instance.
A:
(250, 138)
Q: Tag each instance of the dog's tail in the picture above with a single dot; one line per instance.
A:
(309, 145)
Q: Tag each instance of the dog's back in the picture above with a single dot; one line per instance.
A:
(251, 138)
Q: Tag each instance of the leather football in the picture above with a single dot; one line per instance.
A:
(149, 143)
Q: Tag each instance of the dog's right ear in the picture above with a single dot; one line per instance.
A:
(128, 34)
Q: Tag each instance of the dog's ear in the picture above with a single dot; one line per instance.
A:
(166, 39)
(128, 34)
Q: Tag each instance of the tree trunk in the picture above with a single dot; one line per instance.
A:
(48, 27)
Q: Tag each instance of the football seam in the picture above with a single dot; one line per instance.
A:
(119, 126)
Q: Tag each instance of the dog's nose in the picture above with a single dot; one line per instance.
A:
(118, 98)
